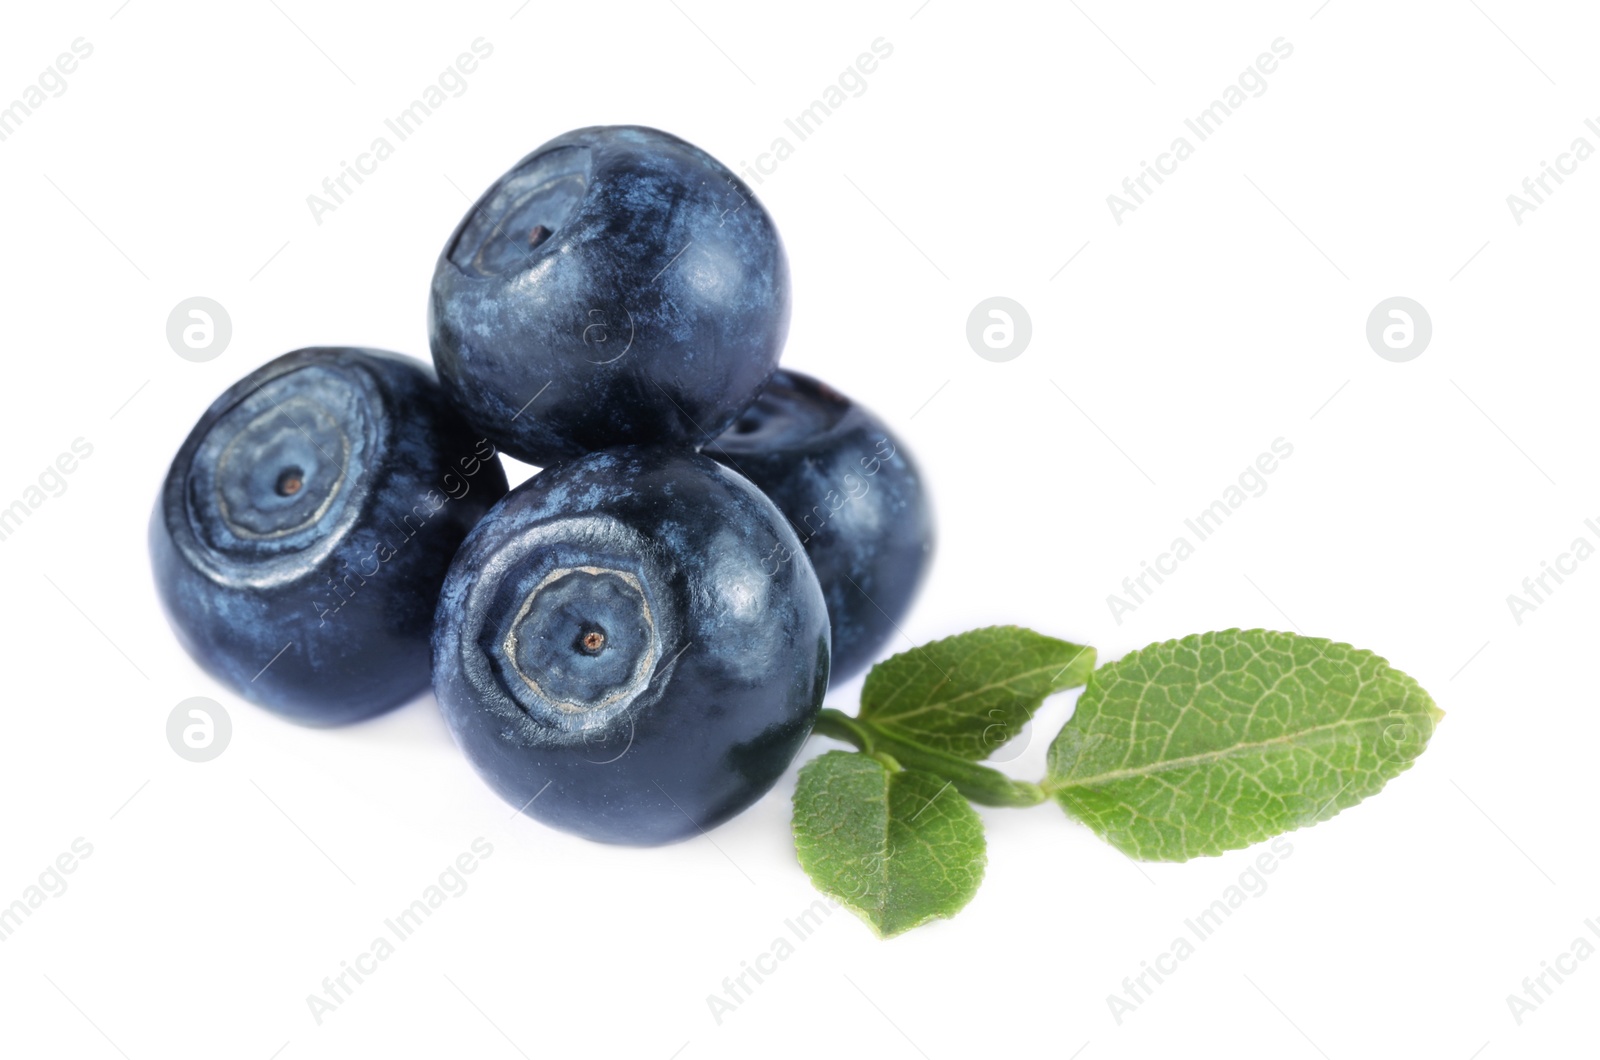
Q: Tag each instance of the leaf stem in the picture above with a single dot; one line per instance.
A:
(981, 784)
(842, 727)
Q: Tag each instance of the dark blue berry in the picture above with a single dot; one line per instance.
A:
(618, 286)
(305, 526)
(855, 498)
(632, 646)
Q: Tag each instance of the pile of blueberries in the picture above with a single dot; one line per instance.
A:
(634, 643)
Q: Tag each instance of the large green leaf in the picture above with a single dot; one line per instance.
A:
(1220, 740)
(896, 846)
(968, 694)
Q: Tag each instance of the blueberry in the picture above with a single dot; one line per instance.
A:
(305, 526)
(622, 650)
(618, 286)
(854, 496)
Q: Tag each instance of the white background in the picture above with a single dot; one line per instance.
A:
(1227, 311)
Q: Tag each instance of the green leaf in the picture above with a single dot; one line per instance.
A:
(968, 694)
(897, 847)
(1220, 740)
(981, 784)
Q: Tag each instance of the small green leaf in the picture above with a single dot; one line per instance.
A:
(981, 784)
(896, 846)
(968, 694)
(1219, 740)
